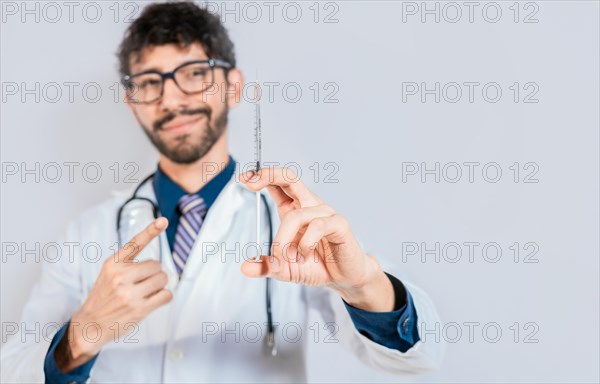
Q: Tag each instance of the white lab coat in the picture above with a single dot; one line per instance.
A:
(214, 328)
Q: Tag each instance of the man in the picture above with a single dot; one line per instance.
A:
(180, 319)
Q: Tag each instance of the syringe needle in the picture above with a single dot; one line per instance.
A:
(257, 155)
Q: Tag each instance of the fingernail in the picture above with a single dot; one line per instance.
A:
(160, 223)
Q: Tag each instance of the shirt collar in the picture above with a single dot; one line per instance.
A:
(168, 192)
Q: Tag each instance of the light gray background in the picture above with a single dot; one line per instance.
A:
(369, 134)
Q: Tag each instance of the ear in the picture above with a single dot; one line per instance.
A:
(235, 85)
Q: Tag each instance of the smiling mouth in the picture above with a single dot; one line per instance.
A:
(181, 126)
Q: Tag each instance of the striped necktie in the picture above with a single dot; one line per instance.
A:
(193, 209)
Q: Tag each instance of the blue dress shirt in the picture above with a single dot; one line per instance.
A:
(54, 375)
(396, 329)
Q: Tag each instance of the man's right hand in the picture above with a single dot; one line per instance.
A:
(125, 292)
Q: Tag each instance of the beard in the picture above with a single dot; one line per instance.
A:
(188, 148)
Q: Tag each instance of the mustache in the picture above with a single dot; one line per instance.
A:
(158, 124)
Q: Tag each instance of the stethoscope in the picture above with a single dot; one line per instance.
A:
(270, 339)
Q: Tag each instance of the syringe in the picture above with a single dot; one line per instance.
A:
(257, 159)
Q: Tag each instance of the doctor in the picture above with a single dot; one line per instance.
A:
(199, 314)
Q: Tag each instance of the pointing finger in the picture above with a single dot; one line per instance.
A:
(142, 239)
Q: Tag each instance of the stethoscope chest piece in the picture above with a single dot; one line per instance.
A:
(270, 347)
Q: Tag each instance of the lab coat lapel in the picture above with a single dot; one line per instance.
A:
(215, 229)
(167, 260)
(161, 326)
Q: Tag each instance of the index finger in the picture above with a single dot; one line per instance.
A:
(286, 181)
(142, 239)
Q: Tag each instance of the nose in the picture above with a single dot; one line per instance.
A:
(172, 98)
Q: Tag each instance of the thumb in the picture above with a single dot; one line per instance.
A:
(267, 267)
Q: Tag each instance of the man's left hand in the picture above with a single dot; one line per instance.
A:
(315, 246)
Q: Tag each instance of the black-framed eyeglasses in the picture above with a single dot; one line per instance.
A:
(191, 78)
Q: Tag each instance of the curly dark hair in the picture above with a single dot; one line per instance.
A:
(181, 23)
